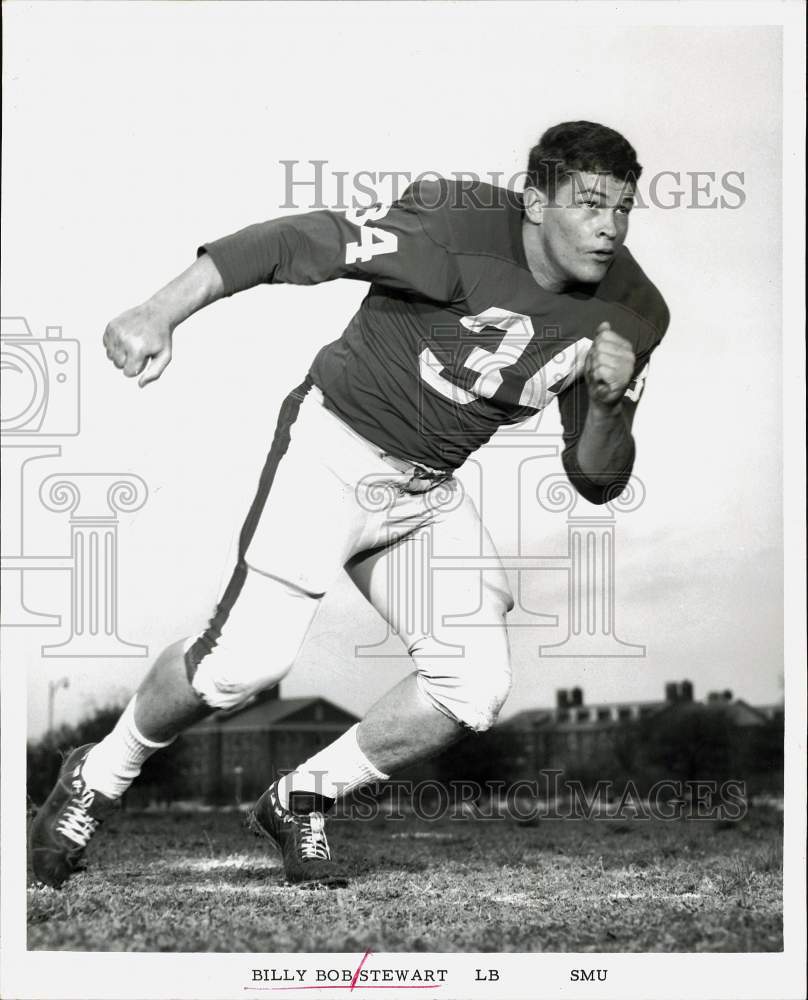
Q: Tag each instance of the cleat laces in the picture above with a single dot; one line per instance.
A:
(313, 843)
(76, 823)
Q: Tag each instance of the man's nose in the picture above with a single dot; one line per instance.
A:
(607, 226)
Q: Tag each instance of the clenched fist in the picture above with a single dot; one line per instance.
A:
(137, 337)
(609, 366)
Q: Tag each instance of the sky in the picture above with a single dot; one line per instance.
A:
(161, 126)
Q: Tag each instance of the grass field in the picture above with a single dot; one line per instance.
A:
(198, 882)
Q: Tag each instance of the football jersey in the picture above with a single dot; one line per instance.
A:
(455, 337)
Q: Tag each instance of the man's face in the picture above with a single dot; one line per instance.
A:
(585, 226)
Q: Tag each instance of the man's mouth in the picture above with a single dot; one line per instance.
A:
(602, 255)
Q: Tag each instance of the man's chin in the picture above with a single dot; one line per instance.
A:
(591, 272)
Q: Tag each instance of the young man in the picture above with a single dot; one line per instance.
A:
(483, 307)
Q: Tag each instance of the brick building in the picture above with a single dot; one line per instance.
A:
(574, 733)
(233, 756)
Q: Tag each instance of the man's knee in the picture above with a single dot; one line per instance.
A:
(229, 677)
(470, 689)
(255, 645)
(473, 706)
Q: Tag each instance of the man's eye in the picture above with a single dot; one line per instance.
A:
(625, 209)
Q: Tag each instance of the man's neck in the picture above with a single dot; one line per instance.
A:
(545, 275)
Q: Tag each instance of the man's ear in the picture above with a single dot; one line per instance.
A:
(535, 201)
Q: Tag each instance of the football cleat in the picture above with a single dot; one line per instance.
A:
(66, 822)
(300, 838)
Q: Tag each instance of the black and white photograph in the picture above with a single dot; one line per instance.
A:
(403, 491)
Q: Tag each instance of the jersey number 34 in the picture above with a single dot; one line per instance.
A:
(538, 389)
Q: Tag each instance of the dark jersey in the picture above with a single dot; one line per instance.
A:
(455, 338)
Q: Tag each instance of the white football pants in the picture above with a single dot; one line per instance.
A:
(327, 500)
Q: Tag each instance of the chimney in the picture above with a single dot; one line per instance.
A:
(577, 697)
(727, 695)
(686, 691)
(562, 698)
(671, 691)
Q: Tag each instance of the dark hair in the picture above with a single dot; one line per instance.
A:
(585, 147)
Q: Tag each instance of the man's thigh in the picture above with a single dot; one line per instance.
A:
(308, 519)
(423, 601)
(298, 532)
(451, 619)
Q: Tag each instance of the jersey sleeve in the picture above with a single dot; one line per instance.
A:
(402, 246)
(573, 405)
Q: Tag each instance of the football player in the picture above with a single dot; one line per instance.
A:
(483, 307)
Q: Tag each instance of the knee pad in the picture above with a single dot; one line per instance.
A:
(472, 688)
(252, 643)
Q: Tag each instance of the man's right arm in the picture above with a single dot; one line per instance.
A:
(398, 246)
(142, 336)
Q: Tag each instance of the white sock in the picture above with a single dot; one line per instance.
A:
(114, 763)
(338, 769)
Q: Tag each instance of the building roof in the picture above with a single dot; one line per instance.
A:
(529, 717)
(264, 714)
(543, 716)
(739, 713)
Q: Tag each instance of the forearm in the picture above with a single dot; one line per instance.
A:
(600, 461)
(198, 286)
(605, 448)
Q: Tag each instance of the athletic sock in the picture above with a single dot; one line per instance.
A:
(328, 775)
(114, 763)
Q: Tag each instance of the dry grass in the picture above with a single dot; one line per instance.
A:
(197, 882)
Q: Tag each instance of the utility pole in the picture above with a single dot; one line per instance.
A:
(53, 687)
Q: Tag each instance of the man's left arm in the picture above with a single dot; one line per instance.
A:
(597, 412)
